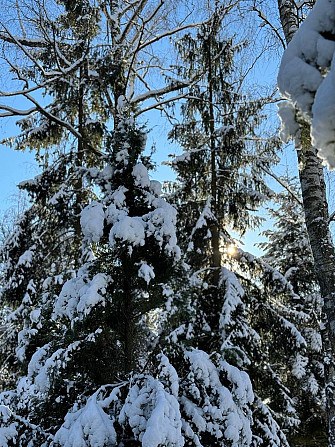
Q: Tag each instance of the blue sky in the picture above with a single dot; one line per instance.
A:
(18, 166)
(15, 166)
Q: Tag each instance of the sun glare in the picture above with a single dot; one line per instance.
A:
(231, 250)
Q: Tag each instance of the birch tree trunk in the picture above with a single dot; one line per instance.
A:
(316, 214)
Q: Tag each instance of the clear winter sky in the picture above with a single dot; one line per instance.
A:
(14, 167)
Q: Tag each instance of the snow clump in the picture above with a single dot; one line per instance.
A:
(307, 78)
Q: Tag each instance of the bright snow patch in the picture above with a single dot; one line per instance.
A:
(8, 433)
(89, 426)
(289, 127)
(80, 295)
(141, 175)
(307, 54)
(323, 123)
(153, 414)
(92, 221)
(128, 229)
(146, 272)
(306, 77)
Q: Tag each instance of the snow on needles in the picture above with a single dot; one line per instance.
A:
(88, 426)
(146, 272)
(6, 433)
(92, 221)
(154, 408)
(306, 77)
(141, 175)
(128, 229)
(225, 414)
(153, 414)
(80, 295)
(159, 222)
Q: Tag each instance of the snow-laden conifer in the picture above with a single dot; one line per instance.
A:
(235, 305)
(103, 251)
(288, 250)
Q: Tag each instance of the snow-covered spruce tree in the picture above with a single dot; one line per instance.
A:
(8, 219)
(150, 409)
(288, 247)
(99, 318)
(80, 303)
(236, 307)
(288, 250)
(43, 251)
(83, 316)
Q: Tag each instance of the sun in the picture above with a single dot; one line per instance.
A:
(231, 250)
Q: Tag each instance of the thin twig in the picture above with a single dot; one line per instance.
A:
(267, 22)
(282, 183)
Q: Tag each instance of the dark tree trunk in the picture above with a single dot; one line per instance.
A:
(316, 214)
(215, 233)
(288, 18)
(80, 154)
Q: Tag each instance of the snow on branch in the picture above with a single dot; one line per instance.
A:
(52, 117)
(11, 111)
(159, 104)
(89, 423)
(177, 85)
(279, 282)
(266, 21)
(282, 183)
(24, 41)
(22, 47)
(307, 76)
(132, 20)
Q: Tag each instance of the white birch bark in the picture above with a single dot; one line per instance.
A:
(317, 222)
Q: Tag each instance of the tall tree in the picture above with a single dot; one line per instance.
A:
(87, 261)
(288, 250)
(44, 250)
(235, 300)
(311, 171)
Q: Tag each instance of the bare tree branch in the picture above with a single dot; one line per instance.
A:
(158, 105)
(132, 20)
(282, 183)
(52, 117)
(267, 22)
(22, 47)
(331, 218)
(24, 41)
(171, 32)
(162, 91)
(11, 111)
